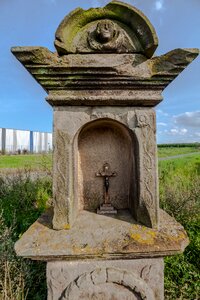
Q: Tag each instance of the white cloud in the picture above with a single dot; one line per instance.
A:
(162, 113)
(183, 131)
(162, 124)
(189, 119)
(173, 131)
(178, 135)
(159, 4)
(177, 131)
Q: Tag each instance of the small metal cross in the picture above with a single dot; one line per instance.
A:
(106, 174)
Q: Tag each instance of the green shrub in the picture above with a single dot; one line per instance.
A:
(22, 200)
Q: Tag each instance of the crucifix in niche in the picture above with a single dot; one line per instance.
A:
(106, 207)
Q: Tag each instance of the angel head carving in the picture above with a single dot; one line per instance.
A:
(109, 36)
(105, 31)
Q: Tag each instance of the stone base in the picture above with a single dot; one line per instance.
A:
(101, 237)
(136, 279)
(106, 209)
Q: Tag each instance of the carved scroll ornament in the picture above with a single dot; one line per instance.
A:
(144, 122)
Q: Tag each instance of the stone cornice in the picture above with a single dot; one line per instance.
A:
(103, 77)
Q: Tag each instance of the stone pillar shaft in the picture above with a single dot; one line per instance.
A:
(137, 279)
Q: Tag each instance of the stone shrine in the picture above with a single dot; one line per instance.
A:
(105, 236)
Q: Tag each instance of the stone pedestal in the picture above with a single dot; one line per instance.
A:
(105, 280)
(103, 257)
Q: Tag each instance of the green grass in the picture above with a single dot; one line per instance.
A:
(184, 166)
(22, 200)
(23, 161)
(36, 161)
(180, 197)
(172, 151)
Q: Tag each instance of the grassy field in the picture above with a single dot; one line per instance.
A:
(22, 200)
(34, 161)
(180, 197)
(37, 161)
(172, 151)
(184, 166)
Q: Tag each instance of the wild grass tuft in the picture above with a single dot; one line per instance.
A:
(180, 197)
(22, 200)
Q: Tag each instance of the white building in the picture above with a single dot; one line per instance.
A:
(13, 141)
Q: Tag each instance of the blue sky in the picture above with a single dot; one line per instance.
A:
(34, 22)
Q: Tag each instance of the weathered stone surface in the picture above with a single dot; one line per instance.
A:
(118, 27)
(118, 279)
(34, 55)
(108, 36)
(138, 97)
(105, 141)
(173, 62)
(102, 237)
(103, 79)
(148, 191)
(62, 181)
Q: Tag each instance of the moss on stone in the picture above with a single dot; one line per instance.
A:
(66, 226)
(118, 11)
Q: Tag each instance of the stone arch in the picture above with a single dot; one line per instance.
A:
(108, 283)
(100, 141)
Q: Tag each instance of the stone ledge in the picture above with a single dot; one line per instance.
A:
(104, 75)
(95, 237)
(137, 97)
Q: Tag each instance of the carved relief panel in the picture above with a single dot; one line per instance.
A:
(131, 280)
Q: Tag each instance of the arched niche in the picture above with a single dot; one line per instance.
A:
(101, 141)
